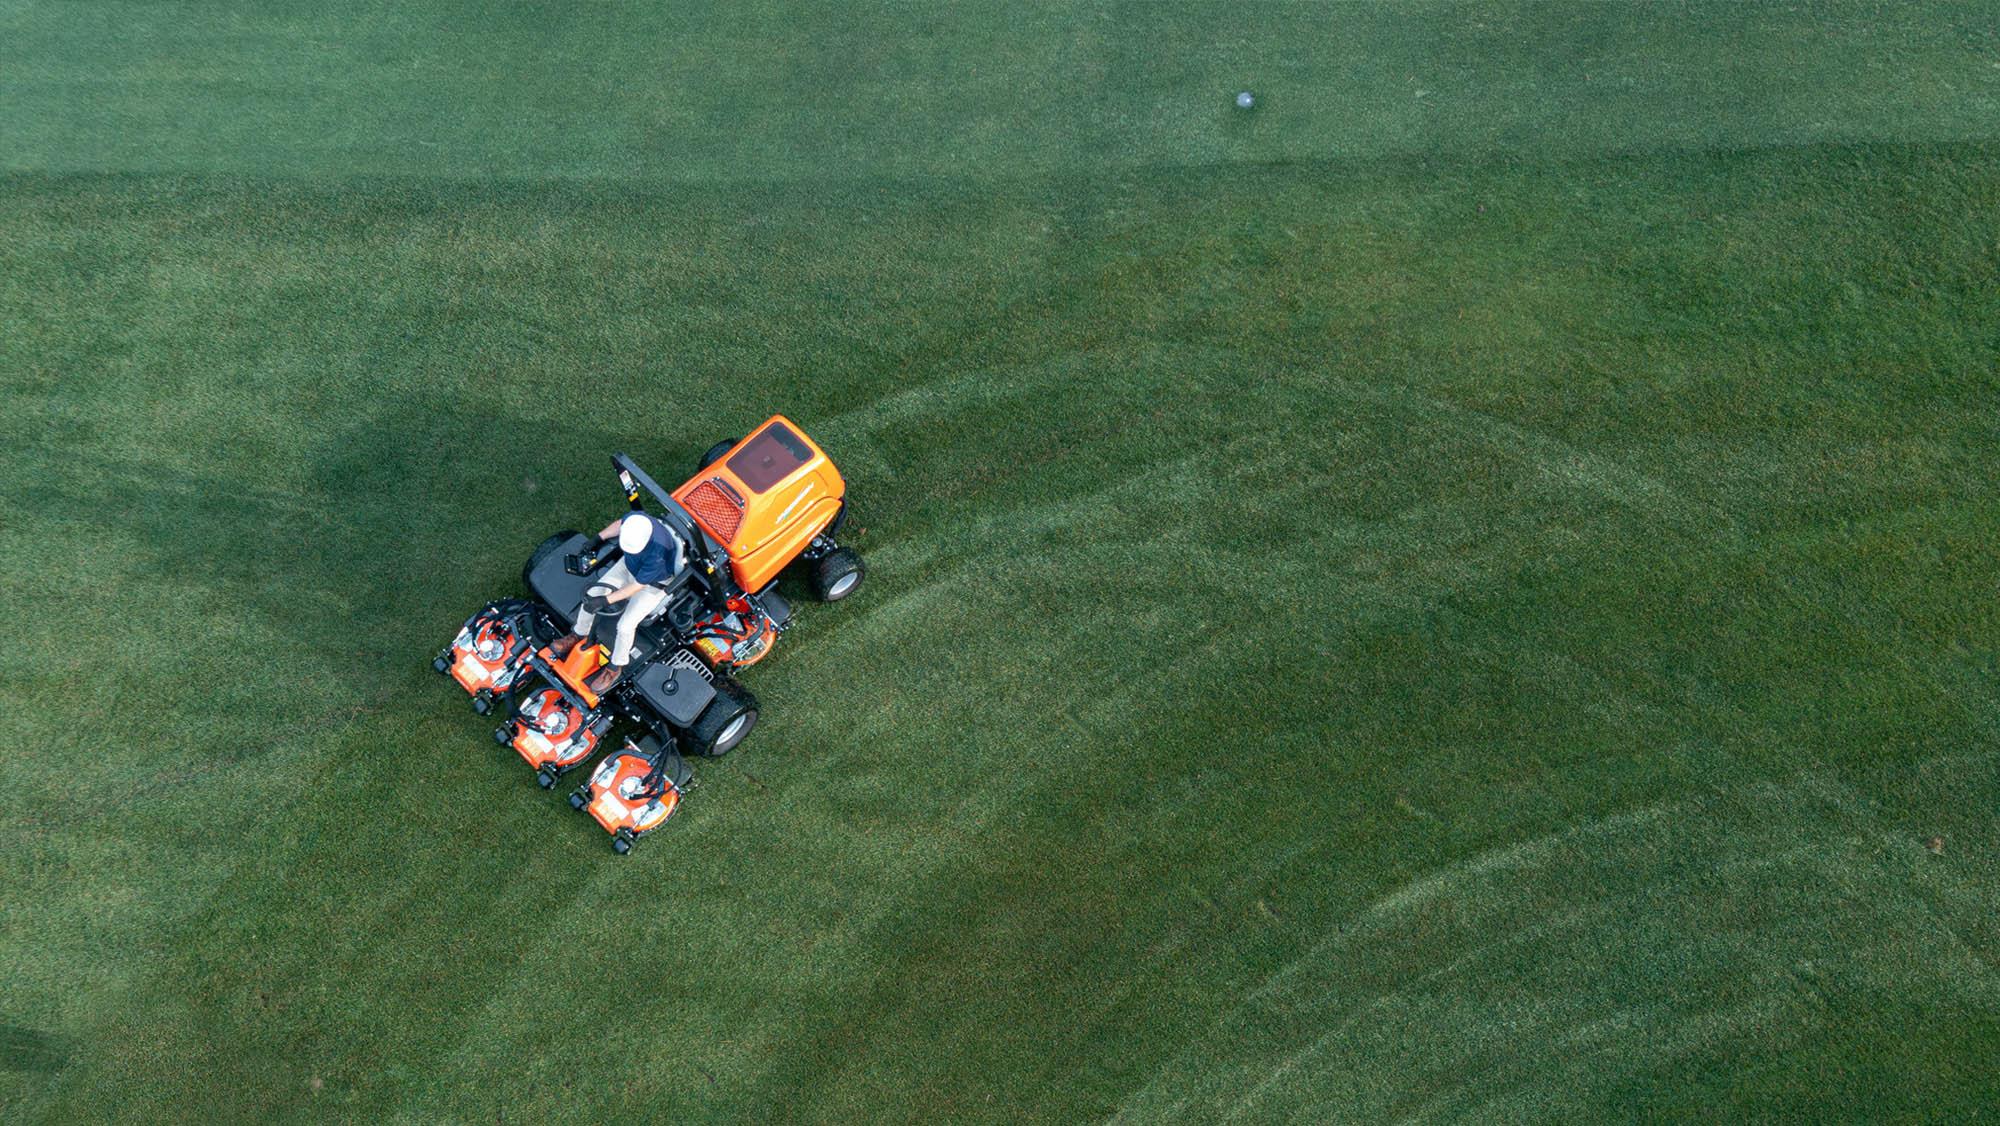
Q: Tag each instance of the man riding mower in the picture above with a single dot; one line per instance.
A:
(652, 557)
(691, 579)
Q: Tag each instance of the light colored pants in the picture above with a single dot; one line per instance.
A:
(632, 611)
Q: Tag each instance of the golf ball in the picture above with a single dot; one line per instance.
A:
(1244, 100)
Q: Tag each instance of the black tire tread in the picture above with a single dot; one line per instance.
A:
(731, 700)
(830, 568)
(715, 453)
(542, 551)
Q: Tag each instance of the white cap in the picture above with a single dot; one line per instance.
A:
(634, 533)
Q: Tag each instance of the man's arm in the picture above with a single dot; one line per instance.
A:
(626, 592)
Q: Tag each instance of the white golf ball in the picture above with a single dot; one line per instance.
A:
(1244, 100)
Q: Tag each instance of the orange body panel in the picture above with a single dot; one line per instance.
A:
(765, 528)
(577, 667)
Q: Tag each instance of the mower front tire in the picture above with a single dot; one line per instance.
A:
(620, 845)
(726, 721)
(577, 800)
(836, 574)
(715, 453)
(548, 548)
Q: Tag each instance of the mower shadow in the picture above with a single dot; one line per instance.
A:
(431, 507)
(367, 554)
(26, 1049)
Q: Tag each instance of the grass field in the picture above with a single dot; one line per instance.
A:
(1461, 593)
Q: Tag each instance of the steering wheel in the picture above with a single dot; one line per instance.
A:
(595, 602)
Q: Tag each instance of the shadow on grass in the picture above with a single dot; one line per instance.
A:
(27, 1049)
(346, 567)
(419, 506)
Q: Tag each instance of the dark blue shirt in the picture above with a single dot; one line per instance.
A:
(658, 560)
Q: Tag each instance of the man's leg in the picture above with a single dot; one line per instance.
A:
(637, 608)
(616, 579)
(567, 643)
(630, 615)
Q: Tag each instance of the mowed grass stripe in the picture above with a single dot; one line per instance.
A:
(756, 91)
(1228, 582)
(1580, 940)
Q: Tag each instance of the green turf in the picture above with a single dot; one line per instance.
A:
(1460, 593)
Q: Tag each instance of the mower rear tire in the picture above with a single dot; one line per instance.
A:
(726, 721)
(715, 453)
(548, 547)
(836, 574)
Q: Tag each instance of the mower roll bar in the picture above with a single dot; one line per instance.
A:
(638, 482)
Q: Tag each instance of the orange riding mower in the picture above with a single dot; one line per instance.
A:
(766, 505)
